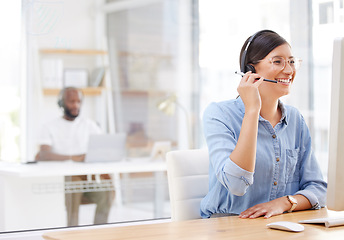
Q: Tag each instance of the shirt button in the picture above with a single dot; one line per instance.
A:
(274, 136)
(277, 159)
(275, 183)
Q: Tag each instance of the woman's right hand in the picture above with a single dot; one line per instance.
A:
(249, 92)
(244, 153)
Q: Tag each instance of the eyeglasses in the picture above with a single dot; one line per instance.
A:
(279, 63)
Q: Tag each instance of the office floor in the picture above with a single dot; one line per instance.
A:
(128, 214)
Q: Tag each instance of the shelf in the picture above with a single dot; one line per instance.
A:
(73, 51)
(144, 55)
(89, 91)
(137, 92)
(98, 90)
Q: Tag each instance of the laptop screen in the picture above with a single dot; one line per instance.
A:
(106, 148)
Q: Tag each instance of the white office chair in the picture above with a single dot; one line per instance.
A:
(187, 172)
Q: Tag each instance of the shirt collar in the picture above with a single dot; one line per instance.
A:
(284, 112)
(284, 117)
(76, 120)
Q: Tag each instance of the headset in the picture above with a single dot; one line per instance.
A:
(249, 67)
(60, 98)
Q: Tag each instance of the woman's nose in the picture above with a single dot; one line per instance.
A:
(288, 68)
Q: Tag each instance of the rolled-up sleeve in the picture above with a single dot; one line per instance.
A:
(221, 131)
(312, 198)
(235, 179)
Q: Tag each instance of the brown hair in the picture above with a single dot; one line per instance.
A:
(261, 44)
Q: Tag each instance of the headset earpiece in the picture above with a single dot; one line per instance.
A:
(250, 67)
(60, 101)
(244, 66)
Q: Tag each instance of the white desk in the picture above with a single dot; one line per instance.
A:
(32, 195)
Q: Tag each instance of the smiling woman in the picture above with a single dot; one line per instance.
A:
(283, 74)
(260, 149)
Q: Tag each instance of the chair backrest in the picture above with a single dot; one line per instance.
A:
(187, 172)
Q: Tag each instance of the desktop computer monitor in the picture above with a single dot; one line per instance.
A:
(335, 189)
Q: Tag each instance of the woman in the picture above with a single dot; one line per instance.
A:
(261, 159)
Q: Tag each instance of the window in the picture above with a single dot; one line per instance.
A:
(326, 14)
(10, 85)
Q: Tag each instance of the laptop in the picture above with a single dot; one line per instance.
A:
(106, 148)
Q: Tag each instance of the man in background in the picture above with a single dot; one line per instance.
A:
(66, 138)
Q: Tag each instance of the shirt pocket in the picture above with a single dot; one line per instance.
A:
(292, 165)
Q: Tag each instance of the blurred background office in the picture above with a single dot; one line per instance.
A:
(130, 55)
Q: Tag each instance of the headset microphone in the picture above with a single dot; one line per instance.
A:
(266, 80)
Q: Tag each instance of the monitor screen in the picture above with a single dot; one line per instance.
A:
(335, 189)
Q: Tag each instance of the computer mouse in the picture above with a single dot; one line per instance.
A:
(286, 226)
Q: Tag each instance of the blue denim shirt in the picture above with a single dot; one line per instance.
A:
(285, 163)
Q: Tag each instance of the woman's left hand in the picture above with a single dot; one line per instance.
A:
(268, 209)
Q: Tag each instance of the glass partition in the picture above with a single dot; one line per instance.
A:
(133, 61)
(147, 68)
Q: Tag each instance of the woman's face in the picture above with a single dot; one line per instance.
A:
(275, 71)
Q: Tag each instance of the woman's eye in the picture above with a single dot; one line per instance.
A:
(277, 62)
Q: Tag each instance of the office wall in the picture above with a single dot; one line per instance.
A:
(73, 25)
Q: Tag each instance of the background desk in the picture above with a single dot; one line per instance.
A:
(32, 195)
(214, 228)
